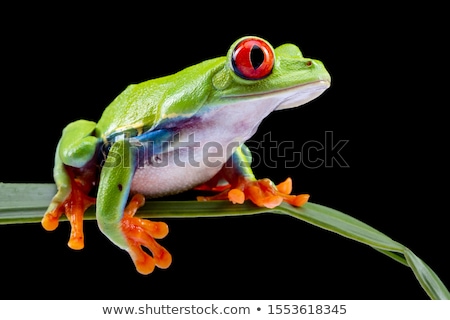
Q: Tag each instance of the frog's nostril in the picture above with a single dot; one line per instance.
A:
(309, 63)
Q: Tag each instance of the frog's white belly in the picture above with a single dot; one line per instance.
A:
(216, 136)
(173, 176)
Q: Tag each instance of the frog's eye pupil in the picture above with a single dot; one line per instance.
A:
(252, 58)
(256, 57)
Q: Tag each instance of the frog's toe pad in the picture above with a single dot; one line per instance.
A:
(142, 233)
(50, 221)
(285, 186)
(236, 196)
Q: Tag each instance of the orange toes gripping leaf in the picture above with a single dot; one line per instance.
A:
(142, 233)
(261, 192)
(264, 193)
(284, 189)
(73, 207)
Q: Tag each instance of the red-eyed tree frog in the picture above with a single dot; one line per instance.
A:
(156, 138)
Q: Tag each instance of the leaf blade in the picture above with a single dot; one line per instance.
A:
(342, 224)
(26, 203)
(427, 278)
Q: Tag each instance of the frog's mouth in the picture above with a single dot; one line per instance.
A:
(299, 95)
(290, 97)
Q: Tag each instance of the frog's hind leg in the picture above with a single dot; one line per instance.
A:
(116, 219)
(244, 185)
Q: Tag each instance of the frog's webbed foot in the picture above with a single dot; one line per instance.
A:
(262, 192)
(142, 233)
(73, 206)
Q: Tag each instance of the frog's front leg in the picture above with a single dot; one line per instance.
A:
(75, 174)
(243, 184)
(117, 221)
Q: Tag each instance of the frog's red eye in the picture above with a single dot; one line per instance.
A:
(252, 59)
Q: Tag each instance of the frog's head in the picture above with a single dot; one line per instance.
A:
(251, 81)
(253, 69)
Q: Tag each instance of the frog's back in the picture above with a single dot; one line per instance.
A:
(142, 106)
(137, 105)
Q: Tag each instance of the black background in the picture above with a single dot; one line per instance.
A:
(71, 62)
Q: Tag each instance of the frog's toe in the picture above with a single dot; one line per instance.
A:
(296, 200)
(142, 233)
(285, 186)
(76, 240)
(50, 221)
(236, 196)
(284, 189)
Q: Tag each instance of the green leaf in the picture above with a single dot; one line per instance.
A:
(429, 281)
(26, 203)
(342, 224)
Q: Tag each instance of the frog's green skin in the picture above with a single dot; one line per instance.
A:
(174, 133)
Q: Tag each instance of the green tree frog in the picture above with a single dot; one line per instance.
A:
(156, 138)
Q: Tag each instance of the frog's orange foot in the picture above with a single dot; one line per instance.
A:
(263, 193)
(142, 233)
(73, 207)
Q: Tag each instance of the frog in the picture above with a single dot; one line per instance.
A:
(175, 133)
